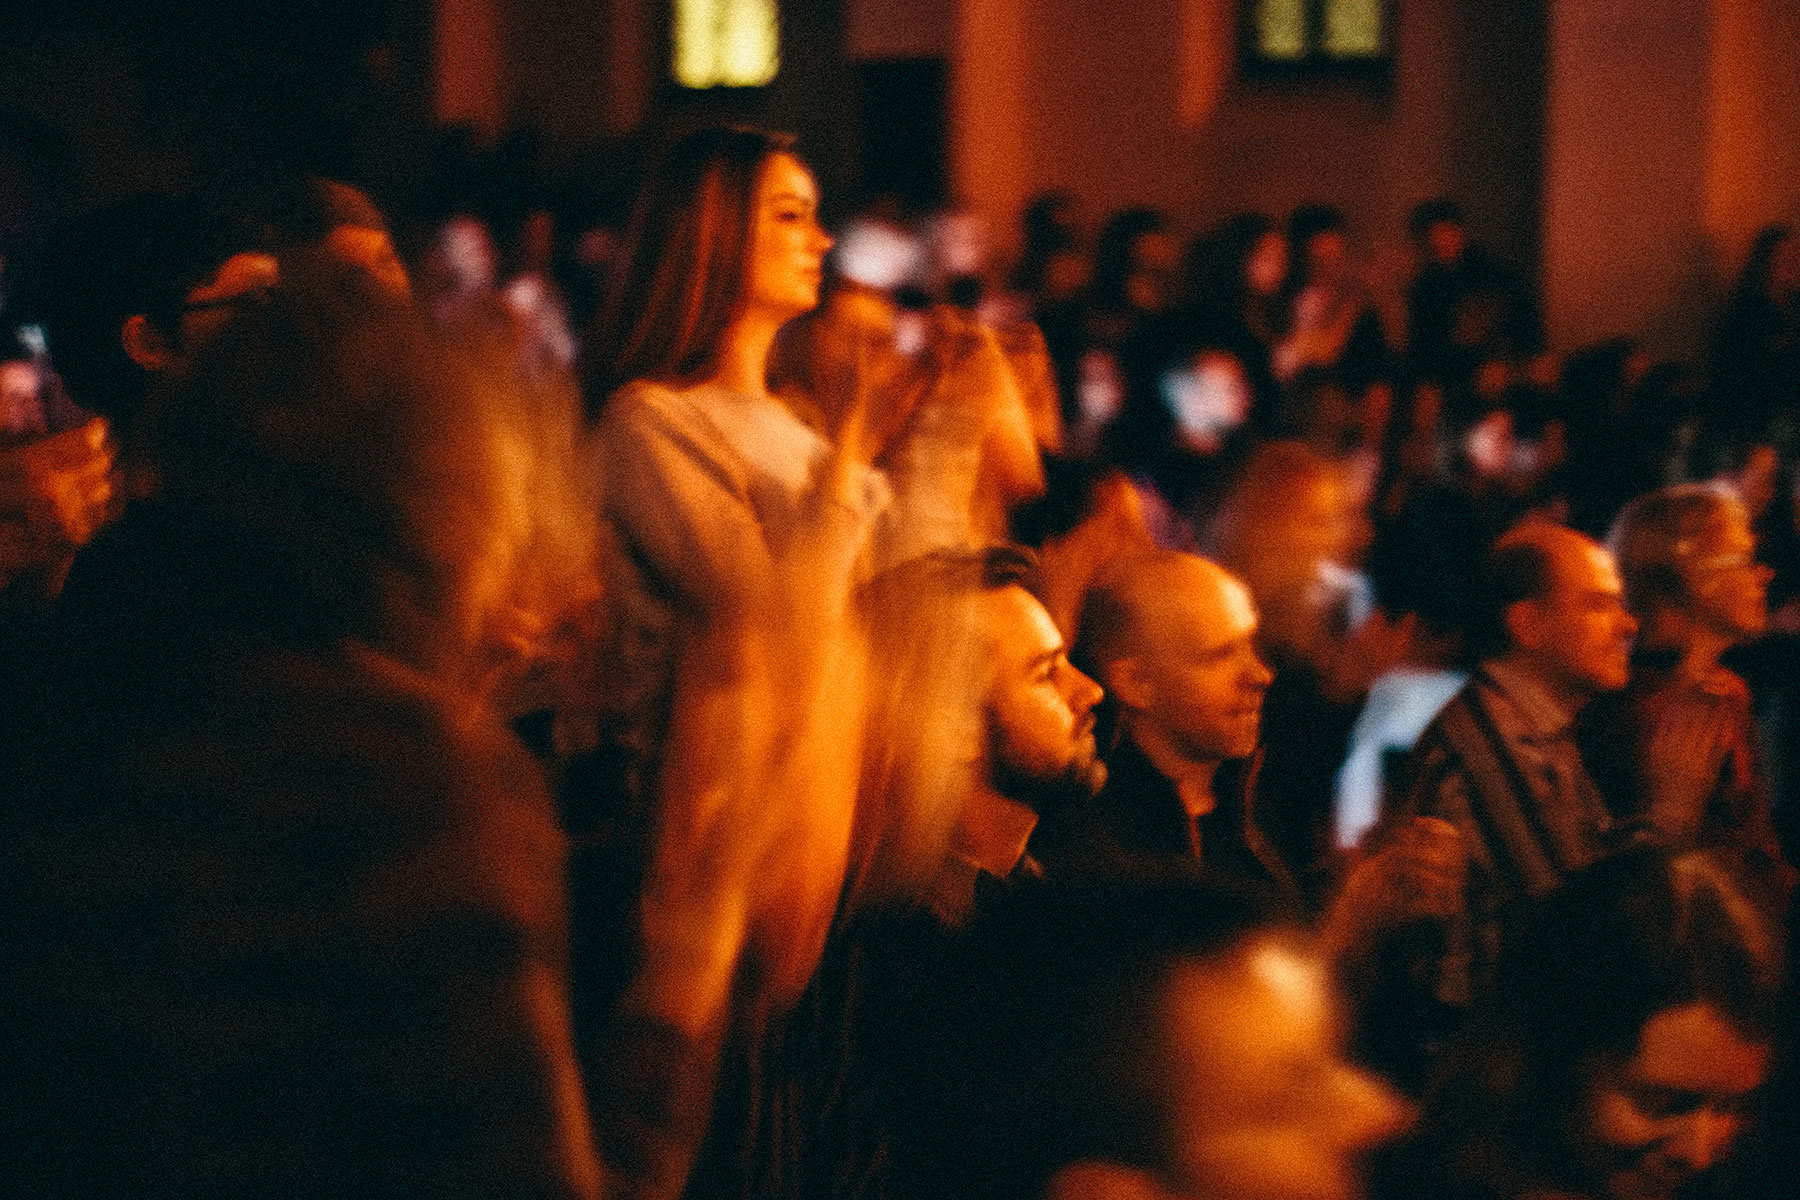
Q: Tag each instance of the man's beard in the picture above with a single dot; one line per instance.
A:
(1076, 784)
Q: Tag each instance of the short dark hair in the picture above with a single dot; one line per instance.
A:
(1042, 1048)
(1310, 220)
(1068, 500)
(1516, 568)
(142, 255)
(1430, 212)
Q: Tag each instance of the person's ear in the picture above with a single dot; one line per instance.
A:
(1094, 1180)
(144, 343)
(1128, 682)
(1524, 624)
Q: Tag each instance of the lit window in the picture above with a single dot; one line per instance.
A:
(726, 43)
(1302, 38)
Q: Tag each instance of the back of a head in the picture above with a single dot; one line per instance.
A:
(311, 208)
(681, 273)
(1427, 213)
(1070, 492)
(1426, 561)
(1046, 1048)
(1113, 252)
(1310, 220)
(140, 255)
(1658, 534)
(406, 490)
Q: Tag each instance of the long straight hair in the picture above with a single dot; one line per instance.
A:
(681, 279)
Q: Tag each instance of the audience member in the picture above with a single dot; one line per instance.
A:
(733, 670)
(131, 293)
(1172, 637)
(1500, 761)
(1678, 746)
(1142, 1040)
(1464, 308)
(1631, 1022)
(289, 915)
(1293, 528)
(1330, 322)
(1755, 352)
(1088, 516)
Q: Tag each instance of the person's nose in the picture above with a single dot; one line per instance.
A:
(1084, 693)
(1369, 1111)
(1627, 624)
(822, 241)
(1703, 1139)
(1258, 674)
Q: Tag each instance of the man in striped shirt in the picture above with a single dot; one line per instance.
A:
(1500, 761)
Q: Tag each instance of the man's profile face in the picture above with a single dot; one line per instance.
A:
(1583, 630)
(1199, 662)
(1040, 709)
(1260, 1101)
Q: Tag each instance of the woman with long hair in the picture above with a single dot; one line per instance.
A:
(733, 667)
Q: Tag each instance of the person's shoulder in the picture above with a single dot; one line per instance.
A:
(419, 748)
(639, 399)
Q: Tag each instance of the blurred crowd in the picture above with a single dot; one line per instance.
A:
(704, 705)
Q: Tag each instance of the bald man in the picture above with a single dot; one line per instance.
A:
(1500, 760)
(1169, 636)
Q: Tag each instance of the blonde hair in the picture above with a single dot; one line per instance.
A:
(1657, 535)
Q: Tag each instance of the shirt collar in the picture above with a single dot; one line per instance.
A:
(990, 840)
(1547, 716)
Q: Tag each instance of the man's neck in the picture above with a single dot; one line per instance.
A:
(1193, 779)
(1569, 695)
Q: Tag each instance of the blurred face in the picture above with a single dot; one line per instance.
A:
(1729, 588)
(1445, 242)
(208, 308)
(1673, 1109)
(1201, 676)
(787, 246)
(1040, 708)
(1262, 1103)
(1329, 252)
(1267, 265)
(372, 251)
(1329, 520)
(1580, 631)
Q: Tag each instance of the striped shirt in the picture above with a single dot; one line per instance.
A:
(1500, 763)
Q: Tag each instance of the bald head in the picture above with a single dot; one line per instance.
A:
(1171, 635)
(1555, 601)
